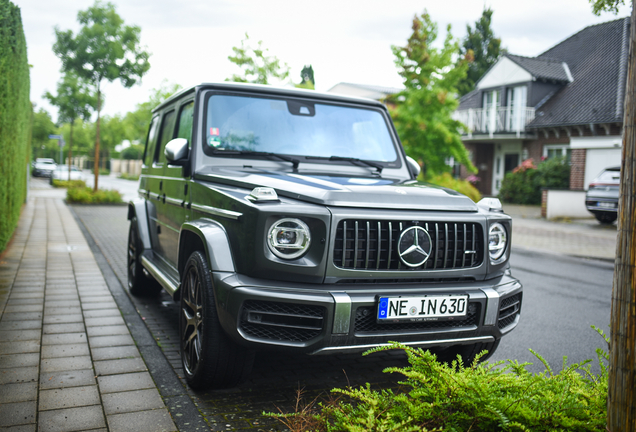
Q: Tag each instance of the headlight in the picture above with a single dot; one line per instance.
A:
(289, 238)
(497, 241)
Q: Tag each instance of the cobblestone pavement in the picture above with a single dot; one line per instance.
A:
(276, 377)
(67, 359)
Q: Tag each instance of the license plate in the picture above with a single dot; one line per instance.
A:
(607, 205)
(422, 308)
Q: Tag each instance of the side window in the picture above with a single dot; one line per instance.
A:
(185, 122)
(151, 141)
(167, 129)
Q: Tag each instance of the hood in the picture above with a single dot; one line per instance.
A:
(344, 191)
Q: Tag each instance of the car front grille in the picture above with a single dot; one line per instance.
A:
(366, 322)
(285, 322)
(508, 310)
(373, 245)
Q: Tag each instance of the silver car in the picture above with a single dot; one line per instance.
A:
(602, 196)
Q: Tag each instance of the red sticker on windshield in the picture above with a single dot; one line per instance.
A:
(214, 131)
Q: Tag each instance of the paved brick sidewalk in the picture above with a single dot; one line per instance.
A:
(67, 359)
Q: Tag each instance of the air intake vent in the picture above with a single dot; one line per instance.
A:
(508, 311)
(286, 322)
(373, 245)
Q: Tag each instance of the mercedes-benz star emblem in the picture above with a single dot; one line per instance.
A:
(414, 246)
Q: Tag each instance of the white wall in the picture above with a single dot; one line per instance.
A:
(504, 72)
(565, 203)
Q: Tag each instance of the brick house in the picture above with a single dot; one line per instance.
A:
(567, 101)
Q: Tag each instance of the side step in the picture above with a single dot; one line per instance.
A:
(166, 280)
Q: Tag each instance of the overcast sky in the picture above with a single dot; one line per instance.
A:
(344, 41)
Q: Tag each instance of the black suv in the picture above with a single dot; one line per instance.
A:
(292, 220)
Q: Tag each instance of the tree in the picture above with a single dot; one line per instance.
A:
(75, 99)
(482, 47)
(103, 49)
(43, 126)
(307, 78)
(136, 122)
(621, 400)
(257, 67)
(423, 110)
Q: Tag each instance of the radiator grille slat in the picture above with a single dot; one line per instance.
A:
(373, 245)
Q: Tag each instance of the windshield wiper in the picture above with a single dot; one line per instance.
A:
(351, 160)
(295, 162)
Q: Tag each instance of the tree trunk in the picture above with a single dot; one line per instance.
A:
(70, 151)
(96, 166)
(621, 411)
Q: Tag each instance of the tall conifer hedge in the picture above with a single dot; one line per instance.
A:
(15, 119)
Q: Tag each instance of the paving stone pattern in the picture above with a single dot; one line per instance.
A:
(66, 363)
(276, 378)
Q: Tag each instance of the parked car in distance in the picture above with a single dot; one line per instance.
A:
(601, 198)
(61, 173)
(292, 220)
(43, 167)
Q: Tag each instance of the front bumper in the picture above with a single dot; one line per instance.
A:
(328, 318)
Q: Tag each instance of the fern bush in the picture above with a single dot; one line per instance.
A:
(500, 396)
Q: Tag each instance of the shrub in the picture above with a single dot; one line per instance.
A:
(523, 185)
(501, 396)
(15, 119)
(68, 184)
(134, 152)
(86, 195)
(127, 176)
(462, 186)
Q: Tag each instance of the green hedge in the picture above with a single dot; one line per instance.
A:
(15, 119)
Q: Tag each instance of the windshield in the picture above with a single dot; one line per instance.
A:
(296, 127)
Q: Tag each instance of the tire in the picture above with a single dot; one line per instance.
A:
(606, 218)
(467, 352)
(138, 283)
(209, 358)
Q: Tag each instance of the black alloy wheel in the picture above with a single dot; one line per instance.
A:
(210, 359)
(138, 283)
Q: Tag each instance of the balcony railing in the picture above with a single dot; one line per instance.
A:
(490, 121)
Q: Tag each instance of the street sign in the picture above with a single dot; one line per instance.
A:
(57, 137)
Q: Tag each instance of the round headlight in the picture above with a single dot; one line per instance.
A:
(497, 240)
(289, 238)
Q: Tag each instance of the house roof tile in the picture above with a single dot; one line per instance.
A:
(542, 68)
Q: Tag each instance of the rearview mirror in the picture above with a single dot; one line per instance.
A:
(176, 151)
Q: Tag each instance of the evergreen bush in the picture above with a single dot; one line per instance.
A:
(480, 397)
(86, 195)
(15, 119)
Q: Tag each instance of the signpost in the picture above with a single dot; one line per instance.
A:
(61, 143)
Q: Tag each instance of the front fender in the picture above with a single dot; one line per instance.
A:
(214, 240)
(137, 209)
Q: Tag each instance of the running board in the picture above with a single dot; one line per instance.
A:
(166, 282)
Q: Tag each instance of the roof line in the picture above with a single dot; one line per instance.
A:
(620, 90)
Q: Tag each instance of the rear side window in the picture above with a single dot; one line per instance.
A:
(167, 129)
(151, 141)
(185, 121)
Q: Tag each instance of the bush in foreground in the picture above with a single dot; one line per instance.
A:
(501, 396)
(86, 195)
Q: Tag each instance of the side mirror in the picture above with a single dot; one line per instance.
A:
(176, 151)
(414, 167)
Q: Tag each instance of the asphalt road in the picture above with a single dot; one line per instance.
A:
(563, 297)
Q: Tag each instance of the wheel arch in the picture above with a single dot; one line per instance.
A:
(137, 209)
(209, 237)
